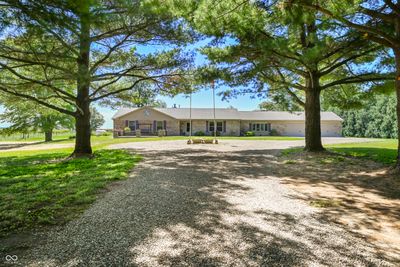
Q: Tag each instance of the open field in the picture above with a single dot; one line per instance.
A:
(35, 136)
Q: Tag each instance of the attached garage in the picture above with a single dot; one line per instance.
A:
(292, 123)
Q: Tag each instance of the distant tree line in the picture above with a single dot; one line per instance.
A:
(373, 117)
(376, 119)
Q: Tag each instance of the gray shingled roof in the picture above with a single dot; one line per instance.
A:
(284, 116)
(232, 114)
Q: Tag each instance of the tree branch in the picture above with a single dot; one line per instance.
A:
(29, 97)
(368, 77)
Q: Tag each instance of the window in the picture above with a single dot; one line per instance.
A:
(160, 125)
(188, 127)
(219, 126)
(211, 126)
(132, 125)
(257, 127)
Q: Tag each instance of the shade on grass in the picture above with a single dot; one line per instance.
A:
(384, 151)
(46, 189)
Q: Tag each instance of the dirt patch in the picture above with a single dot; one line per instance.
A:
(359, 194)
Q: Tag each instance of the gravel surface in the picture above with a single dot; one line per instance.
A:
(203, 205)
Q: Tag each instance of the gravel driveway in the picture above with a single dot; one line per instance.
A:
(203, 205)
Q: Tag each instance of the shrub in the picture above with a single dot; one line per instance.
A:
(71, 137)
(127, 129)
(249, 133)
(106, 134)
(274, 132)
(217, 133)
(199, 133)
(161, 133)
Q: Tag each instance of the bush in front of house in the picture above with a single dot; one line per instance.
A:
(217, 133)
(127, 130)
(199, 133)
(161, 133)
(249, 133)
(274, 132)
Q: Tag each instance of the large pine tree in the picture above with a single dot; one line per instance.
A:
(377, 21)
(84, 51)
(262, 46)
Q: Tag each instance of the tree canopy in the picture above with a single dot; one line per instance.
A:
(85, 51)
(267, 48)
(378, 21)
(25, 117)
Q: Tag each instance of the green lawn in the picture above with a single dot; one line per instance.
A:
(35, 137)
(382, 150)
(111, 140)
(44, 189)
(100, 142)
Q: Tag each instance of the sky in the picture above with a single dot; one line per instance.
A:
(200, 99)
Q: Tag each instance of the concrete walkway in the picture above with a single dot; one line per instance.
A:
(203, 205)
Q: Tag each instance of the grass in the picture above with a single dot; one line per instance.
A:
(381, 150)
(384, 150)
(100, 142)
(40, 187)
(325, 203)
(35, 136)
(45, 189)
(109, 139)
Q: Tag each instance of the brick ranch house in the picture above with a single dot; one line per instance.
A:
(229, 121)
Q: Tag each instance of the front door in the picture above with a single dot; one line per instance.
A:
(145, 128)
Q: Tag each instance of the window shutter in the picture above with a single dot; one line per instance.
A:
(126, 123)
(137, 125)
(250, 129)
(206, 126)
(165, 125)
(154, 126)
(224, 127)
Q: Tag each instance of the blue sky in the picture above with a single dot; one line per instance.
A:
(200, 99)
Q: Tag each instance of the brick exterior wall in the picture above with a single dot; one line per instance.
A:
(233, 127)
(147, 118)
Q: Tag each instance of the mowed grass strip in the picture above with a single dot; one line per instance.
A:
(383, 150)
(46, 189)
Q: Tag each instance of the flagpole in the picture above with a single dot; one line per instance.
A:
(190, 116)
(215, 122)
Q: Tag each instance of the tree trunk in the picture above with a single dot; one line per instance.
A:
(82, 118)
(397, 85)
(48, 135)
(83, 146)
(313, 115)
